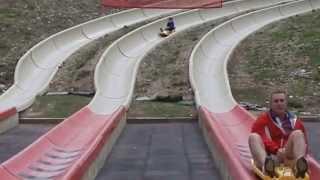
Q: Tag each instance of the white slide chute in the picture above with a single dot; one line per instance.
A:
(225, 124)
(36, 68)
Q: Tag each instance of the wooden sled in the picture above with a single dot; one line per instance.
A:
(282, 173)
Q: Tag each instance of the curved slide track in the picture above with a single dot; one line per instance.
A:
(225, 124)
(36, 68)
(77, 147)
(116, 71)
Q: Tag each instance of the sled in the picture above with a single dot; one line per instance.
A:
(282, 173)
(165, 33)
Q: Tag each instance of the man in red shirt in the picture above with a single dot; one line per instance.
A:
(278, 134)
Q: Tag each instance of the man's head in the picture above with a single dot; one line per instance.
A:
(278, 102)
(170, 19)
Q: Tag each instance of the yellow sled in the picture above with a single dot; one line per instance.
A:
(282, 173)
(165, 33)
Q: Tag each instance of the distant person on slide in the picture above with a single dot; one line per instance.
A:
(278, 136)
(170, 25)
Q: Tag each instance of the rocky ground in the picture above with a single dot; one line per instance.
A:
(284, 54)
(24, 23)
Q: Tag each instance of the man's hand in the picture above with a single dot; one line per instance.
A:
(281, 154)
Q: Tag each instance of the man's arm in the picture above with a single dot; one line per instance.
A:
(260, 127)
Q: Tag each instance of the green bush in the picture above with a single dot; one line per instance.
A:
(295, 104)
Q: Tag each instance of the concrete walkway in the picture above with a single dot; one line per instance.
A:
(20, 137)
(158, 151)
